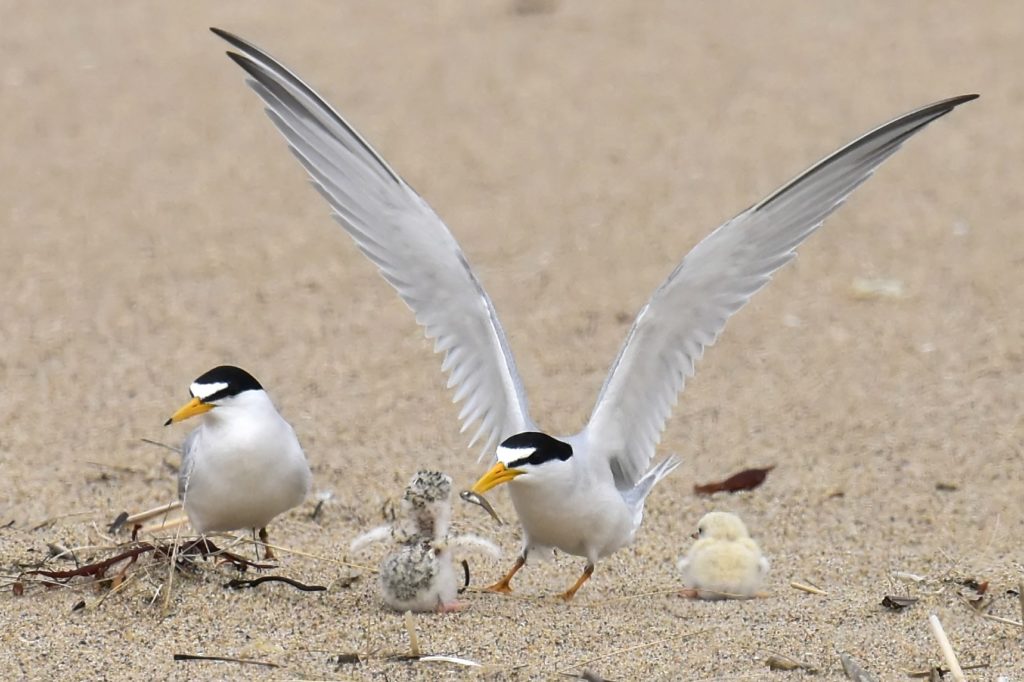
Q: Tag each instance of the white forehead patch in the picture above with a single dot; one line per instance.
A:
(204, 391)
(506, 455)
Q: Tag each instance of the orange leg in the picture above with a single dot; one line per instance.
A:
(268, 554)
(502, 585)
(571, 592)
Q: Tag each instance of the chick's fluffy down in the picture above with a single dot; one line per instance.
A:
(724, 563)
(418, 577)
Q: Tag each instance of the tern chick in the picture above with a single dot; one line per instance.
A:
(724, 562)
(426, 506)
(243, 464)
(419, 575)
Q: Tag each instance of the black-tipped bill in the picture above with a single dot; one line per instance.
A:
(189, 409)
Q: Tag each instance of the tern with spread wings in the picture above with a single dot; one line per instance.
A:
(583, 494)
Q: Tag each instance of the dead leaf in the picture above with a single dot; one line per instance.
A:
(979, 587)
(747, 479)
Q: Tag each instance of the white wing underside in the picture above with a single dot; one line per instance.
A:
(688, 311)
(411, 246)
(417, 254)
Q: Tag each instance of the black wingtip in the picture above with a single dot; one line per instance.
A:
(235, 41)
(961, 99)
(221, 33)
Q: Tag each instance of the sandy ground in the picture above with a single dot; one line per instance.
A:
(154, 226)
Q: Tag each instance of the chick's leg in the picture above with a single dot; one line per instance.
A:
(502, 585)
(268, 554)
(450, 607)
(571, 592)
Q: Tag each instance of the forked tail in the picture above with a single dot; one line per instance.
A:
(636, 497)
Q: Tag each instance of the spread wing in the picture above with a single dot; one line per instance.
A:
(402, 235)
(688, 311)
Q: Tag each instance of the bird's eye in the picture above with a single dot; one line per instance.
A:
(700, 530)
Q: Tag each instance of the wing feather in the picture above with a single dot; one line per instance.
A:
(688, 311)
(410, 245)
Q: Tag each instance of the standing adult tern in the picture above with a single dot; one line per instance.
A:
(583, 494)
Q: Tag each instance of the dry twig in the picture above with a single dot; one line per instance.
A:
(224, 659)
(947, 648)
(806, 587)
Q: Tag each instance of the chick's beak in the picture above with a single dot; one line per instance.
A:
(498, 474)
(190, 409)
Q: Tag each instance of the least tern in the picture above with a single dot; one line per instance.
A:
(724, 562)
(243, 465)
(583, 494)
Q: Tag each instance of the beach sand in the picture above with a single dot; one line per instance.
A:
(155, 226)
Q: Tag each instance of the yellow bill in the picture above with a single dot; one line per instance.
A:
(190, 409)
(498, 474)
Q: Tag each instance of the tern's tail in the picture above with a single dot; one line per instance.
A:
(636, 497)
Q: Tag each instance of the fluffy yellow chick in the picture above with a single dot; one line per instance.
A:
(724, 563)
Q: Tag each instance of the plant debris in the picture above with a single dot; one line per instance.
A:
(748, 479)
(808, 588)
(465, 570)
(947, 649)
(853, 670)
(898, 603)
(937, 672)
(117, 523)
(781, 662)
(979, 587)
(238, 583)
(187, 553)
(224, 659)
(343, 659)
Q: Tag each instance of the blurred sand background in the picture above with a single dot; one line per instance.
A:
(155, 226)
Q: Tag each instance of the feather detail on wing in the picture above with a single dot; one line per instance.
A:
(188, 461)
(689, 310)
(413, 249)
